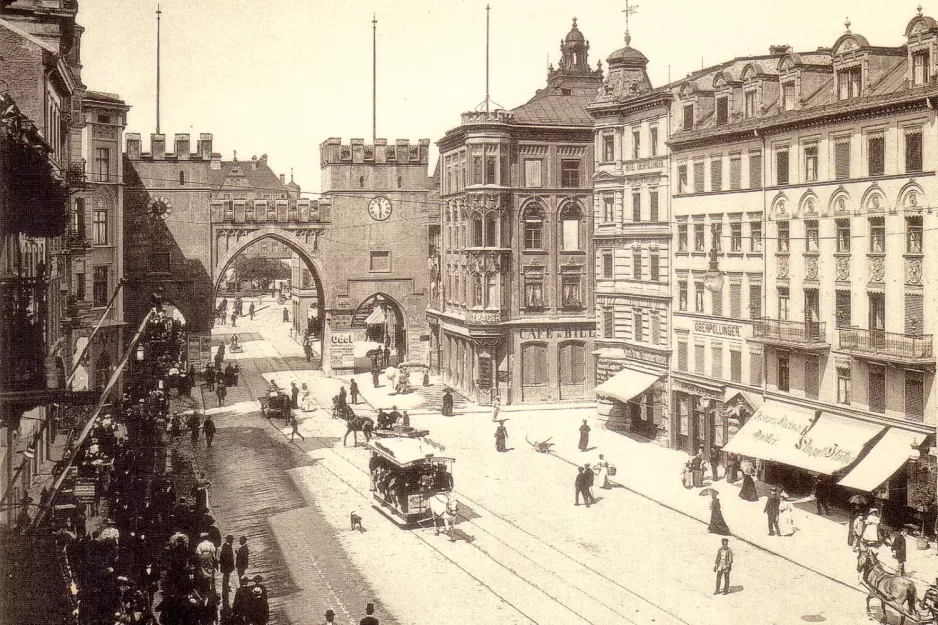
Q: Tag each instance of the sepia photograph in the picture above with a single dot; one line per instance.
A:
(315, 312)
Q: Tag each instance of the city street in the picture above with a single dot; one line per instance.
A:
(523, 552)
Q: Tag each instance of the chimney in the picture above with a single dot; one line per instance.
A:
(133, 146)
(779, 50)
(283, 179)
(182, 146)
(157, 146)
(216, 160)
(264, 159)
(254, 162)
(205, 146)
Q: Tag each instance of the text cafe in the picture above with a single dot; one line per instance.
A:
(551, 363)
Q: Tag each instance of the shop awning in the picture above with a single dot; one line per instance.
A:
(750, 398)
(886, 457)
(376, 318)
(784, 433)
(626, 384)
(613, 353)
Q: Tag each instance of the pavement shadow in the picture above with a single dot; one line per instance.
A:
(735, 589)
(466, 513)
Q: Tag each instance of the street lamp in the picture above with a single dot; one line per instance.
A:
(713, 279)
(916, 453)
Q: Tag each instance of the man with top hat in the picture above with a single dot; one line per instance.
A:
(330, 616)
(369, 618)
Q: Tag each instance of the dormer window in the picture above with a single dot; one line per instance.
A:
(849, 83)
(750, 104)
(920, 68)
(688, 117)
(788, 97)
(723, 110)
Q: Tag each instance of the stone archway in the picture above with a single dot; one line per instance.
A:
(304, 242)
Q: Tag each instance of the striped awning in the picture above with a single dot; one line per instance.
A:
(377, 317)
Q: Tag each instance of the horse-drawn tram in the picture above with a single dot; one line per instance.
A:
(405, 475)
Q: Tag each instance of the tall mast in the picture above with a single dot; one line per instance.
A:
(158, 13)
(488, 10)
(374, 78)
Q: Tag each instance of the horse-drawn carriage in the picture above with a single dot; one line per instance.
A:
(406, 475)
(276, 406)
(896, 591)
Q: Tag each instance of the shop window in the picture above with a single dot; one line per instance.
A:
(876, 155)
(783, 372)
(877, 386)
(844, 391)
(914, 396)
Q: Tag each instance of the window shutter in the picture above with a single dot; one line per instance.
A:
(877, 151)
(811, 374)
(736, 301)
(755, 170)
(717, 361)
(755, 301)
(914, 396)
(682, 355)
(653, 203)
(913, 151)
(755, 368)
(699, 358)
(698, 177)
(716, 303)
(736, 172)
(914, 314)
(716, 174)
(877, 385)
(736, 365)
(781, 167)
(842, 160)
(655, 327)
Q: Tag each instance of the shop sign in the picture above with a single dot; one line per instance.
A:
(695, 389)
(340, 319)
(556, 333)
(205, 348)
(84, 490)
(342, 349)
(637, 353)
(717, 329)
(485, 316)
(718, 430)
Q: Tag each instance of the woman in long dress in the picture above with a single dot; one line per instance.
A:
(687, 475)
(501, 437)
(602, 473)
(786, 518)
(717, 523)
(748, 491)
(304, 398)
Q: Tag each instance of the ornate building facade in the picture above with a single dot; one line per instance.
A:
(632, 247)
(513, 316)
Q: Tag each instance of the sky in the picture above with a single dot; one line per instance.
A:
(278, 77)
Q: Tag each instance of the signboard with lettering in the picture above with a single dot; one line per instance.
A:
(342, 349)
(205, 347)
(556, 333)
(194, 353)
(717, 329)
(84, 490)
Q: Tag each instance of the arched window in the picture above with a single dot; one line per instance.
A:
(533, 228)
(182, 177)
(478, 297)
(491, 230)
(570, 227)
(476, 230)
(102, 371)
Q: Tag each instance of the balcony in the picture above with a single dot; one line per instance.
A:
(77, 180)
(887, 346)
(22, 331)
(808, 336)
(77, 242)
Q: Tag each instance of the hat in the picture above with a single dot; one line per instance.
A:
(258, 591)
(784, 495)
(874, 511)
(257, 579)
(244, 579)
(329, 613)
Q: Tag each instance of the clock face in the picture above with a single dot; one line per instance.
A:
(379, 208)
(161, 207)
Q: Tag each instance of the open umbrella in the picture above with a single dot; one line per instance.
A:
(859, 500)
(708, 491)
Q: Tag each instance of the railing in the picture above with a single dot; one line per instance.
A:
(22, 333)
(76, 175)
(886, 344)
(795, 332)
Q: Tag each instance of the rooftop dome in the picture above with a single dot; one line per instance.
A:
(627, 55)
(575, 36)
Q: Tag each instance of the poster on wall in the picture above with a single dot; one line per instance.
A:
(342, 349)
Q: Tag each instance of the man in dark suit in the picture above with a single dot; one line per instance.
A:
(226, 563)
(898, 549)
(771, 510)
(580, 485)
(723, 565)
(588, 476)
(294, 395)
(714, 462)
(821, 492)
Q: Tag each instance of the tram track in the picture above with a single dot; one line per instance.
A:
(280, 363)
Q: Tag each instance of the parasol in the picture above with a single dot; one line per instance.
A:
(859, 500)
(708, 491)
(391, 373)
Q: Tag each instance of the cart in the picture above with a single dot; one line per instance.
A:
(276, 406)
(406, 476)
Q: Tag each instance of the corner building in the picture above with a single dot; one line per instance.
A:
(513, 317)
(845, 139)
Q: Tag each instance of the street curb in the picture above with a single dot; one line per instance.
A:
(736, 536)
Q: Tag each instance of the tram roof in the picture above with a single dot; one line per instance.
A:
(406, 450)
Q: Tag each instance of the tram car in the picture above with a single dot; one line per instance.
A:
(405, 474)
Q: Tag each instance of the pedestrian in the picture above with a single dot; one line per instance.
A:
(732, 467)
(584, 436)
(387, 356)
(748, 491)
(258, 608)
(226, 563)
(697, 466)
(242, 556)
(495, 409)
(209, 428)
(209, 376)
(405, 420)
(330, 617)
(717, 522)
(873, 533)
(234, 318)
(229, 375)
(308, 349)
(221, 391)
(239, 607)
(723, 565)
(714, 462)
(501, 437)
(369, 616)
(195, 425)
(294, 424)
(190, 381)
(175, 425)
(447, 409)
(373, 469)
(294, 395)
(588, 481)
(771, 511)
(374, 377)
(786, 515)
(304, 398)
(821, 491)
(353, 391)
(251, 311)
(898, 549)
(580, 485)
(856, 527)
(286, 315)
(602, 472)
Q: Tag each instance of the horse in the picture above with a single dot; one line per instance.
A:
(365, 425)
(885, 586)
(443, 507)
